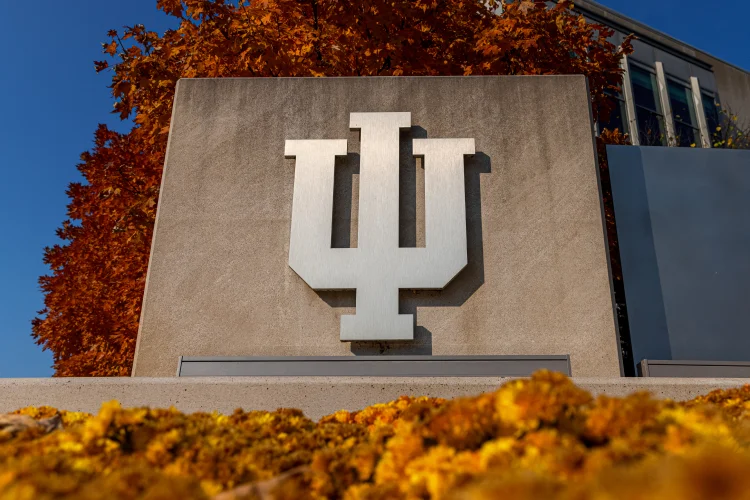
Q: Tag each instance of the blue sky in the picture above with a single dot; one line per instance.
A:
(52, 101)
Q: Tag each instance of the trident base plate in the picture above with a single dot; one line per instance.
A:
(372, 366)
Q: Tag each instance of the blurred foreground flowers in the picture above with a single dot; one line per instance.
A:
(535, 438)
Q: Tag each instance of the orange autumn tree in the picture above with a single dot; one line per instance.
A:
(93, 294)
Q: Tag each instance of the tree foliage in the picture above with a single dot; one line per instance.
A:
(93, 294)
(538, 438)
(730, 132)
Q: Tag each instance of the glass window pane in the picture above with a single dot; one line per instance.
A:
(683, 114)
(650, 129)
(711, 109)
(685, 135)
(644, 89)
(616, 119)
(681, 100)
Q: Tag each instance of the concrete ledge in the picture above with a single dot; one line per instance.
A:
(316, 396)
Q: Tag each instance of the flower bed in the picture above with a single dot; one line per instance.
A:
(534, 438)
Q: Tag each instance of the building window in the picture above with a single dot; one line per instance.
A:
(686, 131)
(617, 118)
(647, 108)
(711, 109)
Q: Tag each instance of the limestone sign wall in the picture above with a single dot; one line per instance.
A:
(534, 275)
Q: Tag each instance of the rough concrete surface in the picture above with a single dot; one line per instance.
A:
(537, 278)
(316, 396)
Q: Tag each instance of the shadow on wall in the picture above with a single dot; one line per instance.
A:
(411, 234)
(649, 338)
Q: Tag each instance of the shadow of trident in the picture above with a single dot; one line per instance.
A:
(378, 268)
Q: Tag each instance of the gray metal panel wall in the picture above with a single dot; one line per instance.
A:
(695, 369)
(683, 224)
(371, 366)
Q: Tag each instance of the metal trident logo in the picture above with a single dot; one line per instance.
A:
(378, 268)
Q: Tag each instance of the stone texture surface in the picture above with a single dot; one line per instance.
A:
(537, 280)
(316, 396)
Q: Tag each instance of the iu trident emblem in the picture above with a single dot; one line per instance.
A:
(378, 268)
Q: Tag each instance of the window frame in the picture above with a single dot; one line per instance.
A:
(672, 80)
(657, 113)
(619, 97)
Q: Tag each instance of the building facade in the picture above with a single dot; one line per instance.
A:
(672, 93)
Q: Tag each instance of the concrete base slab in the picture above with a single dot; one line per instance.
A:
(316, 396)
